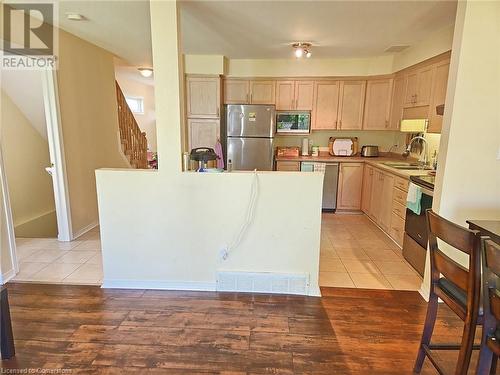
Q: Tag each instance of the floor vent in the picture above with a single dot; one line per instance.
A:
(263, 282)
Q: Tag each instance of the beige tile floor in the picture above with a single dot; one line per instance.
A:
(355, 253)
(48, 260)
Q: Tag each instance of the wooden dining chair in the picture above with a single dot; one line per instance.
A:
(490, 341)
(458, 287)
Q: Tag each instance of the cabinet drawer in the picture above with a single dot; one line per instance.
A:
(401, 183)
(399, 196)
(293, 166)
(397, 229)
(399, 209)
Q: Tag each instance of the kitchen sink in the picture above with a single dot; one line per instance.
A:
(404, 165)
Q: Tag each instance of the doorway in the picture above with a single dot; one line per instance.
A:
(35, 179)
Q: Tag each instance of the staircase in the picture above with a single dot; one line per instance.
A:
(134, 142)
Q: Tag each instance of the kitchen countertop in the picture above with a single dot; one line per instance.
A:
(375, 161)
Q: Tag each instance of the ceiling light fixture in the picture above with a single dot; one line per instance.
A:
(146, 72)
(302, 49)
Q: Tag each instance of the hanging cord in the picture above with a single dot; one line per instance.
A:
(254, 194)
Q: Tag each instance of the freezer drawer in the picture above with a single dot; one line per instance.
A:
(248, 154)
(330, 185)
(250, 120)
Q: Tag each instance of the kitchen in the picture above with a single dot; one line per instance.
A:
(354, 129)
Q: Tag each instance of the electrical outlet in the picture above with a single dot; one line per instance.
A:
(223, 253)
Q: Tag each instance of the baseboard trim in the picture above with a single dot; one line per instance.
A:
(86, 229)
(5, 278)
(158, 285)
(314, 291)
(424, 292)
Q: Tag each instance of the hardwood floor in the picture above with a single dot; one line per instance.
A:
(348, 331)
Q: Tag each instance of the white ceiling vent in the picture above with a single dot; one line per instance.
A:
(263, 282)
(396, 48)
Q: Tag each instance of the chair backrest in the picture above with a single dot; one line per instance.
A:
(464, 240)
(491, 253)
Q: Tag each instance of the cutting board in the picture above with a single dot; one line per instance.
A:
(343, 146)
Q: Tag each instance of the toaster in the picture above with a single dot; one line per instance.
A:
(369, 151)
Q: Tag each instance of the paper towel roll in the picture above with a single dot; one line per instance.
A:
(305, 147)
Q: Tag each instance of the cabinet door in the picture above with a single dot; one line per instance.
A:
(424, 86)
(350, 185)
(304, 91)
(411, 84)
(386, 201)
(376, 191)
(203, 132)
(262, 92)
(366, 193)
(290, 166)
(203, 97)
(236, 91)
(439, 85)
(285, 95)
(397, 103)
(325, 105)
(351, 104)
(377, 104)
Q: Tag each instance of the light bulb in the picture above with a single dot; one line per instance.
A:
(146, 72)
(308, 54)
(298, 52)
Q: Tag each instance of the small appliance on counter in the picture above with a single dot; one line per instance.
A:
(205, 157)
(343, 146)
(288, 151)
(369, 151)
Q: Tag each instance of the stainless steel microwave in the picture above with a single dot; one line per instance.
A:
(293, 122)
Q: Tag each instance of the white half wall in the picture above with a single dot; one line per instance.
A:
(165, 229)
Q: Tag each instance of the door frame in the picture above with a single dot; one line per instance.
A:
(57, 154)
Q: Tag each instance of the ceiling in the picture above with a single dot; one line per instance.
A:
(265, 29)
(262, 29)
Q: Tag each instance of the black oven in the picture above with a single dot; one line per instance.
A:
(416, 235)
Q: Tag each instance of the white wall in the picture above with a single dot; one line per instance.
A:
(468, 182)
(134, 88)
(26, 154)
(171, 235)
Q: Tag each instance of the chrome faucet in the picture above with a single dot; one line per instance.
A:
(423, 154)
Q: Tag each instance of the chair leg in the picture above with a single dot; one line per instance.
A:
(485, 361)
(466, 346)
(494, 364)
(430, 320)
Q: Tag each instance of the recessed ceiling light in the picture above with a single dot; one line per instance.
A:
(75, 17)
(146, 72)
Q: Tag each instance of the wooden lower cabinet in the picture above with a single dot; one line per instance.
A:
(290, 166)
(366, 193)
(397, 230)
(386, 197)
(350, 186)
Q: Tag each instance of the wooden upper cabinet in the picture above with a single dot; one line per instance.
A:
(203, 97)
(377, 104)
(440, 83)
(236, 91)
(397, 103)
(325, 105)
(351, 104)
(350, 186)
(262, 92)
(304, 95)
(418, 87)
(366, 194)
(203, 132)
(285, 95)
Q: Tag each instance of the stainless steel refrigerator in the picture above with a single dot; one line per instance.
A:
(249, 140)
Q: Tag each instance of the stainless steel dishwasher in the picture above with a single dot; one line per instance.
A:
(330, 185)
